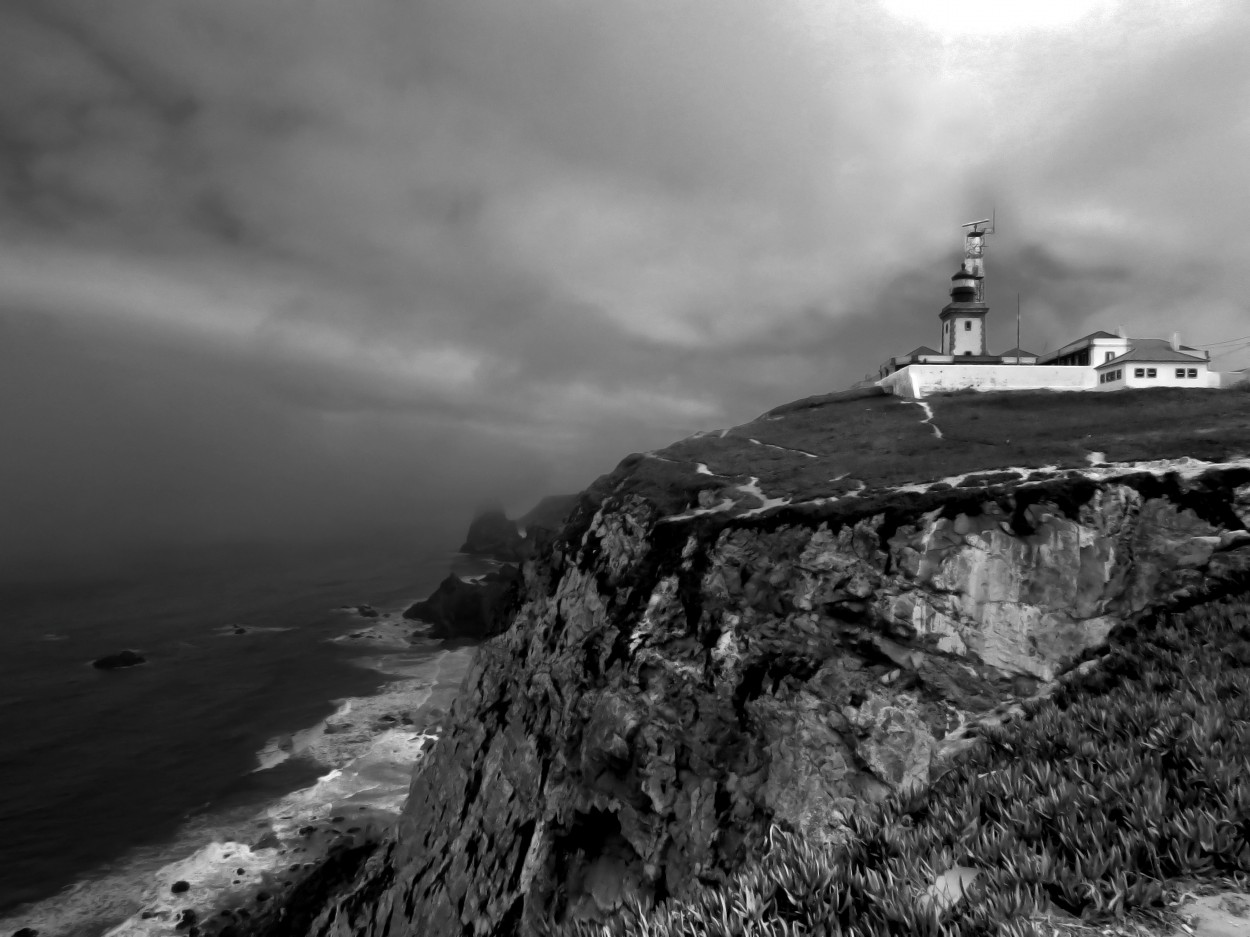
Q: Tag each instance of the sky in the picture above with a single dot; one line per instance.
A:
(295, 268)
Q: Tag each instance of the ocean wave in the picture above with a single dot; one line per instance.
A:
(230, 860)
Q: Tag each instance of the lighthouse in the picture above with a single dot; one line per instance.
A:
(963, 318)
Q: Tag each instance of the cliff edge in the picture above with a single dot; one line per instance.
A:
(776, 625)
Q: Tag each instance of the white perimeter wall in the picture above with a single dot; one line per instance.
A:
(918, 380)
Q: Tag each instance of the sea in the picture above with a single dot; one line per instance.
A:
(266, 702)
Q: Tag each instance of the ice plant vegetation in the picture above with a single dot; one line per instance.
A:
(1133, 775)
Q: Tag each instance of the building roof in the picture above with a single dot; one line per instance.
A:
(1073, 346)
(1151, 349)
(922, 350)
(1017, 353)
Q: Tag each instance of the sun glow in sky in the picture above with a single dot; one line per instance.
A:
(952, 18)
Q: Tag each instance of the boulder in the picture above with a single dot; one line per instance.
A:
(118, 661)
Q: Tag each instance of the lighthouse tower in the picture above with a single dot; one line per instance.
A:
(963, 318)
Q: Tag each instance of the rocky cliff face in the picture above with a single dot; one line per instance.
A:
(688, 666)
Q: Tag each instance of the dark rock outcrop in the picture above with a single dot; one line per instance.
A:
(549, 514)
(492, 534)
(469, 609)
(119, 660)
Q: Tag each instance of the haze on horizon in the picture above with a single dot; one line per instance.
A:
(296, 268)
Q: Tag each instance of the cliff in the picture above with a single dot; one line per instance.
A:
(779, 624)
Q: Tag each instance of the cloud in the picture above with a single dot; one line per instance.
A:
(572, 230)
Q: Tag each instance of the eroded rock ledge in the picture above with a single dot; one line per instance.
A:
(668, 689)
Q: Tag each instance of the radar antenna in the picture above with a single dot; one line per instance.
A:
(973, 242)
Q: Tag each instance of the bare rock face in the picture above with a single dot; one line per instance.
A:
(671, 687)
(1241, 504)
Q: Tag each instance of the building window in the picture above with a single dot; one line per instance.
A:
(1151, 372)
(1108, 356)
(1193, 372)
(1139, 372)
(967, 325)
(1180, 372)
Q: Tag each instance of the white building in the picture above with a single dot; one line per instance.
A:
(1153, 362)
(1098, 361)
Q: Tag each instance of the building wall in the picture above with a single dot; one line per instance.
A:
(1115, 379)
(962, 341)
(1102, 347)
(1165, 375)
(1090, 353)
(919, 380)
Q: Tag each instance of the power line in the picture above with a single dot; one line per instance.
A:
(1230, 351)
(1227, 341)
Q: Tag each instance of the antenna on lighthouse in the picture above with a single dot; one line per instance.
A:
(974, 241)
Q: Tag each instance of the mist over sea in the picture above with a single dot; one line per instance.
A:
(100, 767)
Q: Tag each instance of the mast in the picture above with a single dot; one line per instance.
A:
(1017, 328)
(974, 251)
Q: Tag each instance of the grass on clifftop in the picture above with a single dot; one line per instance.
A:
(826, 446)
(1132, 777)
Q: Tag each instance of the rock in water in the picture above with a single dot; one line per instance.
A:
(119, 660)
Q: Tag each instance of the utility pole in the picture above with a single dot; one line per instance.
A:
(1017, 328)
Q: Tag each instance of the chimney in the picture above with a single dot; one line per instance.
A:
(1176, 341)
(1119, 330)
